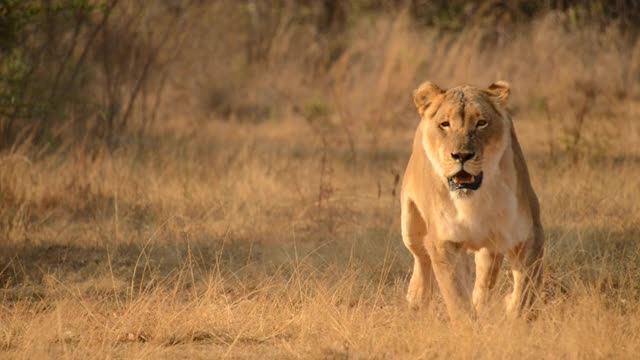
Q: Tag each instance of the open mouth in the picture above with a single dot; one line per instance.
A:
(464, 180)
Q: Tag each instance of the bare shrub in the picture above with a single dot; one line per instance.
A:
(82, 68)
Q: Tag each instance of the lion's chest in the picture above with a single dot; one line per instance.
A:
(489, 218)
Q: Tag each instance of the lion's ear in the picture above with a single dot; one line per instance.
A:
(499, 91)
(424, 95)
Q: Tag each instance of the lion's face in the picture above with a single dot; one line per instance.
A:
(464, 133)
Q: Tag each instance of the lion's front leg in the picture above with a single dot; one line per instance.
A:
(453, 270)
(526, 265)
(487, 270)
(422, 281)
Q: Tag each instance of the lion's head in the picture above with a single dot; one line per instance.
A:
(465, 132)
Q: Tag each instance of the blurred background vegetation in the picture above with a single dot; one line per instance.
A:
(103, 72)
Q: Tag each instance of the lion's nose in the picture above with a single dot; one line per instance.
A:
(463, 156)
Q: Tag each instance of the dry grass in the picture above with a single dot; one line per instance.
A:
(281, 239)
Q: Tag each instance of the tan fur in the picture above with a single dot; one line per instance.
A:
(501, 217)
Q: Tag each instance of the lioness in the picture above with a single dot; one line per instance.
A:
(467, 188)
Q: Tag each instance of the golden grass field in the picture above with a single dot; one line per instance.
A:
(280, 238)
(228, 244)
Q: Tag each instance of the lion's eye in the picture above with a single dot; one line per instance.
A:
(444, 124)
(482, 123)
